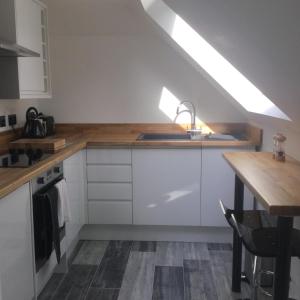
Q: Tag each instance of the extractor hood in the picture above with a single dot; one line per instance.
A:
(8, 49)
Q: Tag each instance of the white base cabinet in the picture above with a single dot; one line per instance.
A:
(166, 186)
(16, 251)
(218, 181)
(109, 176)
(75, 174)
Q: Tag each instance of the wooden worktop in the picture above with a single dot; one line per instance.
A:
(80, 136)
(276, 185)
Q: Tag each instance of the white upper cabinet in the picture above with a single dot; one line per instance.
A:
(32, 33)
(16, 253)
(166, 186)
(218, 181)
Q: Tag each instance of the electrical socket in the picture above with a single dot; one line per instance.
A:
(2, 121)
(12, 119)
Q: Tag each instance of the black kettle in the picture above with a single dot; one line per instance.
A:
(35, 126)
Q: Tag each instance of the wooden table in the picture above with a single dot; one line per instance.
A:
(276, 185)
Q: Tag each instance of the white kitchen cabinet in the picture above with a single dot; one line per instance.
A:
(16, 253)
(218, 181)
(109, 191)
(110, 212)
(109, 175)
(109, 156)
(32, 33)
(166, 186)
(113, 173)
(74, 172)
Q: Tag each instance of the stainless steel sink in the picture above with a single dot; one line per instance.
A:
(219, 137)
(163, 136)
(183, 137)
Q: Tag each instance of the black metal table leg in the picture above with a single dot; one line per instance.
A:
(237, 243)
(283, 259)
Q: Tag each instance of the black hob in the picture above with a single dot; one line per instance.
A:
(22, 158)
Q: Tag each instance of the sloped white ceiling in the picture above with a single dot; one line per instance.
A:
(260, 38)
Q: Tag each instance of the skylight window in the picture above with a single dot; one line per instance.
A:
(224, 73)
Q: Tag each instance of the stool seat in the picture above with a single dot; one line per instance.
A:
(264, 242)
(260, 237)
(249, 218)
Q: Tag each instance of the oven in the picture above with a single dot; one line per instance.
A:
(49, 237)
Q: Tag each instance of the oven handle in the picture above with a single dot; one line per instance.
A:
(49, 185)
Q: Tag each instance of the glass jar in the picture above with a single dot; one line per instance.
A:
(279, 147)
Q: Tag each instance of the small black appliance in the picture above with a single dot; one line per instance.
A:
(37, 124)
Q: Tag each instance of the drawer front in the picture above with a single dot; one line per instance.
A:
(110, 212)
(109, 191)
(109, 156)
(104, 173)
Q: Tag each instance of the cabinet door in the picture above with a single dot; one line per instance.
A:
(109, 156)
(16, 256)
(29, 35)
(166, 186)
(218, 180)
(74, 172)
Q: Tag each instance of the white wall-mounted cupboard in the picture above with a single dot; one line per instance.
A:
(32, 33)
(166, 186)
(109, 177)
(24, 22)
(75, 175)
(16, 253)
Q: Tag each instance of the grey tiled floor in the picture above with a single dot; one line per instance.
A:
(126, 270)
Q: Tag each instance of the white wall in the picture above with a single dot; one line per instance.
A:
(260, 38)
(17, 107)
(110, 63)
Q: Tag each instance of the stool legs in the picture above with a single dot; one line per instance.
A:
(283, 259)
(237, 242)
(254, 282)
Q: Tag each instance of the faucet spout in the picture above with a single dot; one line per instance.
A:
(188, 108)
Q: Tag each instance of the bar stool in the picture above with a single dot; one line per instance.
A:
(260, 240)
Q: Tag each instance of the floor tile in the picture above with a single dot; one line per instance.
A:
(112, 267)
(168, 283)
(193, 285)
(102, 294)
(51, 286)
(75, 283)
(90, 253)
(123, 270)
(218, 246)
(221, 266)
(139, 277)
(169, 254)
(197, 251)
(143, 246)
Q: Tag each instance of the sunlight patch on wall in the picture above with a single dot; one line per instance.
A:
(168, 105)
(224, 73)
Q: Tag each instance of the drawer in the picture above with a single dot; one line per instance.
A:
(109, 156)
(109, 191)
(110, 173)
(110, 212)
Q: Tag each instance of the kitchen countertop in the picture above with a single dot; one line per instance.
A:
(276, 185)
(130, 140)
(12, 178)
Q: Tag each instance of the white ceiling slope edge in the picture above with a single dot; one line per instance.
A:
(211, 61)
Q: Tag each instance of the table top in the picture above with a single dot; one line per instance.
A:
(276, 185)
